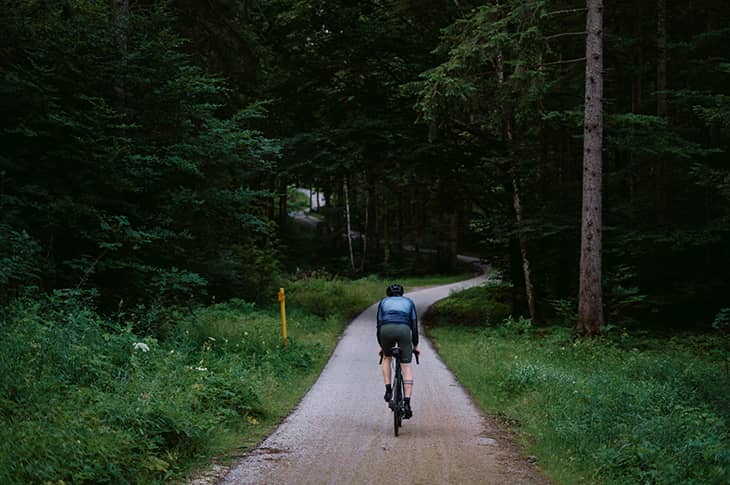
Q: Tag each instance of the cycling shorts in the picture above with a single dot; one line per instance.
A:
(390, 333)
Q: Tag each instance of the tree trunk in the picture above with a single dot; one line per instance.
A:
(661, 107)
(386, 238)
(638, 57)
(365, 229)
(349, 227)
(453, 237)
(283, 203)
(590, 303)
(517, 204)
(120, 27)
(661, 65)
(526, 271)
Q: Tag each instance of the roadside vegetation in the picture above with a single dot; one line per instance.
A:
(624, 408)
(85, 397)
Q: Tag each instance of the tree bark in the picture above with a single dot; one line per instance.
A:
(349, 227)
(661, 66)
(526, 271)
(366, 229)
(283, 203)
(638, 57)
(517, 204)
(453, 237)
(661, 107)
(590, 303)
(386, 238)
(120, 28)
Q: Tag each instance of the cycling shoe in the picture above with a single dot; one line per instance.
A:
(407, 412)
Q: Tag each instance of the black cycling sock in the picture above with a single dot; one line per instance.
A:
(388, 387)
(407, 399)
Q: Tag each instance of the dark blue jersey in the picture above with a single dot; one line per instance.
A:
(401, 310)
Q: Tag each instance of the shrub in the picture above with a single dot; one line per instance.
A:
(326, 298)
(85, 399)
(482, 305)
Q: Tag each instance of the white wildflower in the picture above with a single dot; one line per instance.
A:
(211, 339)
(201, 369)
(141, 346)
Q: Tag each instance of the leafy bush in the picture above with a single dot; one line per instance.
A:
(482, 305)
(86, 399)
(330, 297)
(20, 261)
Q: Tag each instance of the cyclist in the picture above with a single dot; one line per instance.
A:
(398, 322)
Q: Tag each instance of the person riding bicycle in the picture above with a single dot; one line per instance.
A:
(398, 323)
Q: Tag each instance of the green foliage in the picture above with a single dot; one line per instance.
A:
(601, 411)
(126, 164)
(623, 301)
(334, 297)
(492, 70)
(84, 398)
(478, 306)
(722, 325)
(722, 320)
(20, 261)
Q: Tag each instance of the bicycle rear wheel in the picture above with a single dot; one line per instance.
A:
(397, 402)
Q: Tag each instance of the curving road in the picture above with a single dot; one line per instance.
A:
(342, 431)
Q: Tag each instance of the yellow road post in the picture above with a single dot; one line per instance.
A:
(282, 304)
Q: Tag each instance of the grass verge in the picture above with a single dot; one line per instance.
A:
(621, 409)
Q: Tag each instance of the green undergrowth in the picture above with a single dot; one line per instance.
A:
(620, 409)
(85, 398)
(329, 296)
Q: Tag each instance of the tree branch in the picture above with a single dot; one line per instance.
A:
(568, 11)
(564, 34)
(567, 61)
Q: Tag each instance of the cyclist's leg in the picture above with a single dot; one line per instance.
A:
(387, 341)
(407, 378)
(406, 344)
(385, 367)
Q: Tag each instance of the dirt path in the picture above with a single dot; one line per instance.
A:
(342, 431)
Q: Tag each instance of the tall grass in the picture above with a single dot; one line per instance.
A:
(332, 296)
(85, 399)
(620, 409)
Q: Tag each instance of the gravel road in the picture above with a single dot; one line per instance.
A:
(342, 431)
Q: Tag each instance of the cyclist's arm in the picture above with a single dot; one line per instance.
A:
(379, 323)
(414, 325)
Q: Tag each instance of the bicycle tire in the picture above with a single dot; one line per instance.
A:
(402, 404)
(397, 400)
(396, 407)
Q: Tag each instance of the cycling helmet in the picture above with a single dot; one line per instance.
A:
(394, 290)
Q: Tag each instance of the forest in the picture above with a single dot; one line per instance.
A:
(147, 148)
(149, 152)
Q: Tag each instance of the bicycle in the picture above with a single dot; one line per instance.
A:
(397, 403)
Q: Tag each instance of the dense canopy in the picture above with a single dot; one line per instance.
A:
(147, 146)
